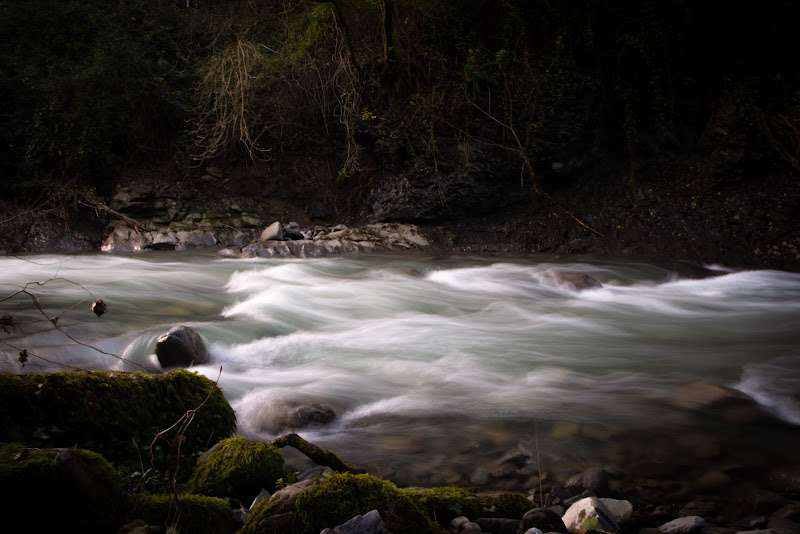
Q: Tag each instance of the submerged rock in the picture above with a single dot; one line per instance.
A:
(278, 416)
(574, 281)
(182, 346)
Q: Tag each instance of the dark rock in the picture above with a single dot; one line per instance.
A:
(719, 401)
(594, 479)
(369, 523)
(278, 416)
(543, 519)
(182, 346)
(560, 491)
(766, 502)
(684, 525)
(575, 281)
(497, 525)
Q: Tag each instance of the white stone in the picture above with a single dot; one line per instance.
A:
(590, 514)
(272, 232)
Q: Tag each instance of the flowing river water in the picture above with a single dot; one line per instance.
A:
(439, 368)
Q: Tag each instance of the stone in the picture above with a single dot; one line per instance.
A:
(575, 281)
(278, 416)
(456, 522)
(263, 495)
(498, 525)
(369, 523)
(684, 525)
(543, 519)
(533, 531)
(181, 346)
(594, 479)
(273, 232)
(621, 510)
(590, 514)
(719, 401)
(470, 528)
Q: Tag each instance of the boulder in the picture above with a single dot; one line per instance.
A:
(59, 490)
(590, 514)
(237, 467)
(182, 346)
(620, 509)
(198, 514)
(278, 416)
(542, 518)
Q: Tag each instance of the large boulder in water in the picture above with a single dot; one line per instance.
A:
(182, 346)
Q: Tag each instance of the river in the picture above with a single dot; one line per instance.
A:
(439, 368)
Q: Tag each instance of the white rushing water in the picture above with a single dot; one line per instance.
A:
(438, 368)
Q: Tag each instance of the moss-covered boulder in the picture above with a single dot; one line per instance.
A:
(446, 503)
(115, 413)
(59, 490)
(335, 500)
(195, 514)
(237, 467)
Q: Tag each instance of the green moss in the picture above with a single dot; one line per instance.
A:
(238, 467)
(446, 503)
(60, 489)
(344, 496)
(116, 414)
(195, 514)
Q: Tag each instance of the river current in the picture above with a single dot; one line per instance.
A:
(439, 368)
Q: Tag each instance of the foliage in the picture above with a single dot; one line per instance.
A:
(93, 86)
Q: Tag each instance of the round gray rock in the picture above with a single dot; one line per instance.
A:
(182, 346)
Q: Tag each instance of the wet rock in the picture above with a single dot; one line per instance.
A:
(369, 523)
(684, 525)
(621, 510)
(719, 401)
(575, 281)
(590, 514)
(181, 346)
(278, 416)
(457, 522)
(594, 479)
(543, 519)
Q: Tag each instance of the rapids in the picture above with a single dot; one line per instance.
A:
(438, 368)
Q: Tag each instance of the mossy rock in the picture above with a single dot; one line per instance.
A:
(60, 489)
(195, 514)
(446, 503)
(115, 413)
(237, 467)
(338, 499)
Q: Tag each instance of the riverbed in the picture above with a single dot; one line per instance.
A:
(451, 370)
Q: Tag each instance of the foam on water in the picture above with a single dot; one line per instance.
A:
(435, 349)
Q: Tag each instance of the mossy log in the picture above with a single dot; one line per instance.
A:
(317, 454)
(115, 413)
(59, 490)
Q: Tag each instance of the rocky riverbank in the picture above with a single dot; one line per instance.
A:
(290, 485)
